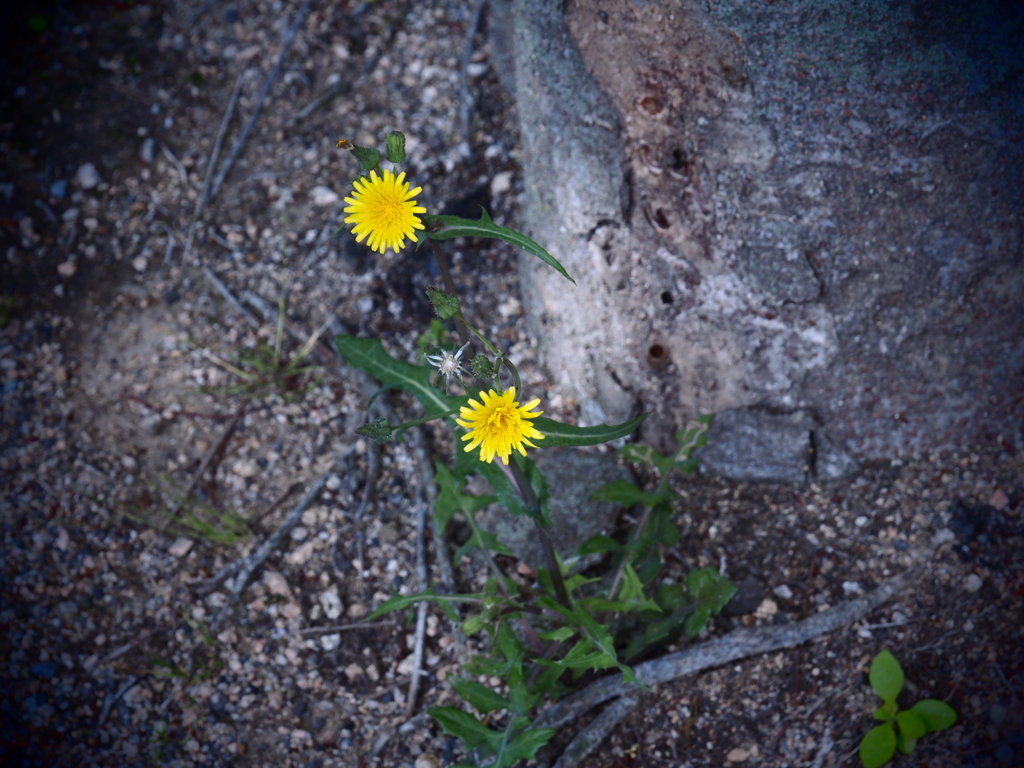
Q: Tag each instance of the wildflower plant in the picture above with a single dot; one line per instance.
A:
(546, 635)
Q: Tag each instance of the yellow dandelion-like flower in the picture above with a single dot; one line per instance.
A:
(498, 424)
(384, 209)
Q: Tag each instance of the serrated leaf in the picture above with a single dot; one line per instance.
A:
(447, 227)
(562, 633)
(886, 676)
(878, 746)
(463, 725)
(660, 528)
(557, 435)
(482, 698)
(632, 588)
(911, 724)
(598, 545)
(368, 355)
(937, 715)
(709, 591)
(526, 743)
(398, 602)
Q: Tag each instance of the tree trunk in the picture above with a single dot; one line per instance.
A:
(784, 211)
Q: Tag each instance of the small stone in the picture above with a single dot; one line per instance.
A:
(147, 153)
(139, 263)
(63, 539)
(60, 374)
(301, 554)
(427, 761)
(852, 588)
(501, 183)
(331, 603)
(330, 642)
(276, 584)
(324, 196)
(942, 536)
(372, 673)
(299, 533)
(738, 755)
(860, 521)
(129, 463)
(784, 592)
(87, 176)
(357, 610)
(968, 626)
(405, 665)
(59, 189)
(180, 547)
(973, 582)
(67, 268)
(245, 468)
(389, 533)
(766, 609)
(999, 499)
(353, 671)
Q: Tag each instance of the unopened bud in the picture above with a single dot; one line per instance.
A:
(344, 144)
(445, 305)
(368, 158)
(377, 430)
(482, 368)
(396, 147)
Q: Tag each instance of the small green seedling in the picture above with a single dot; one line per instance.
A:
(899, 730)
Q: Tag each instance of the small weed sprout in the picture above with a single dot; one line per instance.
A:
(899, 730)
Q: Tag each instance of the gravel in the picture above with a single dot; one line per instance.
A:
(115, 393)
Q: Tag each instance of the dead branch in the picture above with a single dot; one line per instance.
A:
(588, 739)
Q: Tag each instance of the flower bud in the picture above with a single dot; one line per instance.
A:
(482, 368)
(445, 305)
(378, 430)
(396, 147)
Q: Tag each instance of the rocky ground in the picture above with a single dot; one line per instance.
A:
(134, 374)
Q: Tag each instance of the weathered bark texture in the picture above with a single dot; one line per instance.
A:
(783, 207)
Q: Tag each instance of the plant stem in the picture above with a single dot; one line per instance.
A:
(522, 484)
(449, 286)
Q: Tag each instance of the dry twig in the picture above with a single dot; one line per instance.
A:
(423, 508)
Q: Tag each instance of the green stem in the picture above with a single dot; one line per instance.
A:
(515, 377)
(522, 484)
(490, 347)
(449, 285)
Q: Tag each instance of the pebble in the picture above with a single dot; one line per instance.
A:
(299, 533)
(147, 153)
(738, 755)
(852, 588)
(245, 468)
(783, 591)
(766, 609)
(860, 521)
(67, 268)
(277, 584)
(357, 610)
(331, 603)
(59, 189)
(353, 670)
(427, 761)
(330, 642)
(301, 554)
(324, 196)
(180, 547)
(973, 582)
(87, 176)
(140, 263)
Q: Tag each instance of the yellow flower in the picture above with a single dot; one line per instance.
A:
(499, 424)
(383, 208)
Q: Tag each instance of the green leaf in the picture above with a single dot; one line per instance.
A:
(447, 227)
(368, 355)
(526, 743)
(886, 676)
(450, 498)
(632, 589)
(905, 744)
(367, 157)
(485, 539)
(885, 712)
(598, 545)
(660, 529)
(625, 493)
(455, 722)
(878, 746)
(911, 724)
(562, 633)
(481, 697)
(557, 435)
(398, 602)
(710, 591)
(937, 715)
